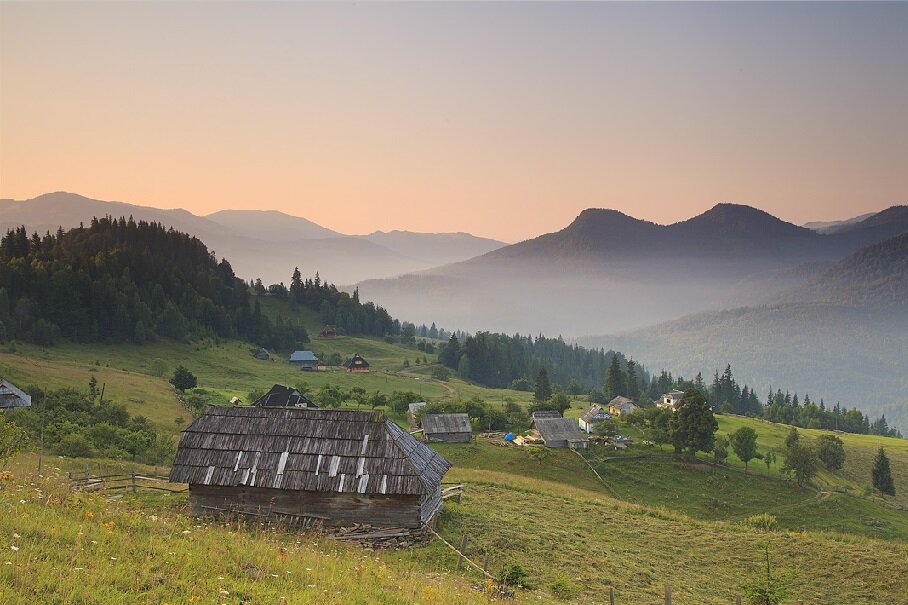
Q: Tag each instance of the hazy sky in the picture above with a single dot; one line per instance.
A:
(500, 119)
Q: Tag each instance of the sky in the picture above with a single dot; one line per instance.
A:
(504, 120)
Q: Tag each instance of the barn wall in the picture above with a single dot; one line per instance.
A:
(431, 503)
(450, 437)
(336, 508)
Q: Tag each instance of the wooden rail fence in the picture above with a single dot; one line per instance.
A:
(132, 481)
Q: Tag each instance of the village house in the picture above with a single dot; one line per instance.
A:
(449, 428)
(328, 332)
(619, 406)
(357, 363)
(671, 400)
(309, 467)
(11, 397)
(306, 360)
(262, 354)
(283, 396)
(592, 416)
(559, 432)
(413, 412)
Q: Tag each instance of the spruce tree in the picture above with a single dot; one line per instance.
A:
(543, 390)
(882, 475)
(615, 380)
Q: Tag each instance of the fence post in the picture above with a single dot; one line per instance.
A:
(133, 481)
(668, 594)
(611, 596)
(86, 471)
(462, 549)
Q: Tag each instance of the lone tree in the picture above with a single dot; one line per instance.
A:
(543, 391)
(183, 379)
(744, 444)
(693, 425)
(831, 451)
(802, 461)
(658, 425)
(882, 475)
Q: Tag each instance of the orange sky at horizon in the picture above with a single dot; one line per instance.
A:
(500, 120)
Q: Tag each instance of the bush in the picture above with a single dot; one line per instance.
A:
(565, 589)
(183, 379)
(762, 522)
(441, 373)
(158, 367)
(75, 445)
(513, 575)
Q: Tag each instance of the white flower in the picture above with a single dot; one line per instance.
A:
(15, 548)
(113, 558)
(21, 501)
(186, 531)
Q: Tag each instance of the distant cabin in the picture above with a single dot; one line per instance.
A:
(591, 417)
(328, 332)
(284, 396)
(449, 428)
(671, 400)
(309, 466)
(413, 412)
(357, 363)
(11, 397)
(306, 360)
(545, 414)
(560, 432)
(262, 354)
(619, 406)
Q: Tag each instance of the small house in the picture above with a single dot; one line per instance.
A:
(11, 397)
(328, 332)
(560, 432)
(671, 400)
(284, 397)
(546, 414)
(357, 363)
(592, 416)
(308, 466)
(449, 428)
(306, 360)
(262, 354)
(619, 406)
(413, 412)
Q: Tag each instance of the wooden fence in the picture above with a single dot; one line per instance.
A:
(132, 481)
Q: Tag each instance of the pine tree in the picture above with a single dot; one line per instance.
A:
(633, 388)
(615, 380)
(543, 390)
(882, 475)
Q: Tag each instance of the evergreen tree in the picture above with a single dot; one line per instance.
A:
(882, 475)
(183, 379)
(615, 380)
(543, 389)
(633, 387)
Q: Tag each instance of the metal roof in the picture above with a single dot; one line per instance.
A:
(303, 356)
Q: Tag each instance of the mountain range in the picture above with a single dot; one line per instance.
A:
(264, 244)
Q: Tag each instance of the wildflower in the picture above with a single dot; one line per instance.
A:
(223, 592)
(16, 536)
(21, 501)
(186, 531)
(108, 524)
(89, 514)
(113, 558)
(16, 549)
(194, 598)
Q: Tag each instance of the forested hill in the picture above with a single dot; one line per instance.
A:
(119, 280)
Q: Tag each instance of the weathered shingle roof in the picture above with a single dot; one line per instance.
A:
(546, 414)
(622, 403)
(303, 356)
(559, 429)
(12, 397)
(590, 414)
(284, 396)
(446, 423)
(305, 449)
(357, 361)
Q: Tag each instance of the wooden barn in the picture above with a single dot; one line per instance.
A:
(309, 466)
(11, 397)
(619, 406)
(328, 332)
(283, 397)
(560, 432)
(450, 428)
(357, 363)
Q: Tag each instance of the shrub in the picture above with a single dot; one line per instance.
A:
(75, 445)
(441, 373)
(565, 589)
(158, 367)
(762, 522)
(513, 574)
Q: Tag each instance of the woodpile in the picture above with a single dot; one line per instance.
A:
(380, 537)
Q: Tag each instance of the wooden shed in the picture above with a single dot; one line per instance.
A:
(306, 360)
(593, 416)
(12, 397)
(335, 467)
(357, 363)
(284, 396)
(560, 432)
(450, 428)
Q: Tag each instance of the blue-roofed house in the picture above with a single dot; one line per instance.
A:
(306, 360)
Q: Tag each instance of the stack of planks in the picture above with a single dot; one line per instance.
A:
(378, 537)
